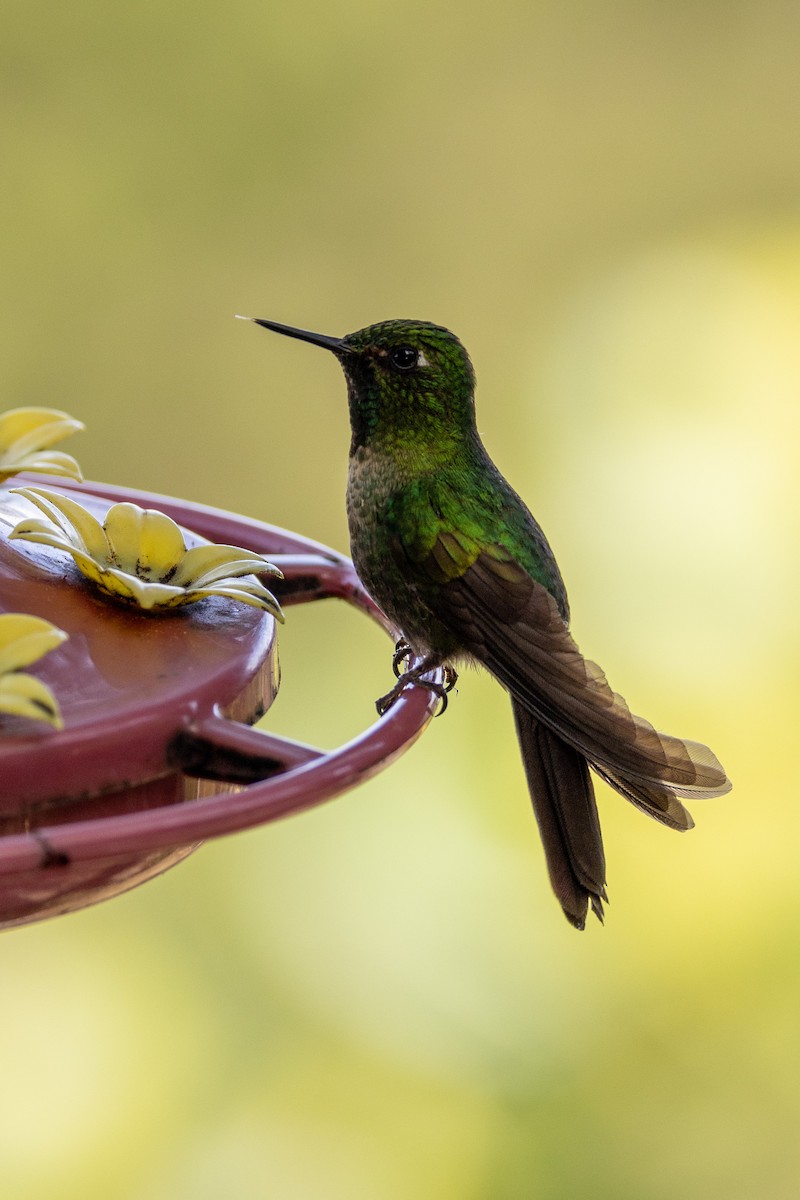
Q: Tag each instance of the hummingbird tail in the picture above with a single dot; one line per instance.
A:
(563, 802)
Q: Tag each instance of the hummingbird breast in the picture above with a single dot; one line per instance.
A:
(375, 479)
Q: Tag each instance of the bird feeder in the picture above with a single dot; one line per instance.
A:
(150, 749)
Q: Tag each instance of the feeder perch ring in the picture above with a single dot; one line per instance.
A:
(93, 809)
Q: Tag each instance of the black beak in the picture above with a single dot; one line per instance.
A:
(316, 339)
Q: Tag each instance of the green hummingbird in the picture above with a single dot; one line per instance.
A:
(450, 553)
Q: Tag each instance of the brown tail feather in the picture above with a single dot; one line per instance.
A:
(657, 800)
(563, 802)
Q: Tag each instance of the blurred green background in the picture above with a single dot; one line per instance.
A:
(381, 999)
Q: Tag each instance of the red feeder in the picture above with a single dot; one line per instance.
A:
(156, 706)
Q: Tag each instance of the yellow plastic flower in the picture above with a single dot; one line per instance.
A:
(26, 434)
(23, 639)
(138, 555)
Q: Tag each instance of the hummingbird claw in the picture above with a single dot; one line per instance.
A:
(384, 703)
(415, 675)
(442, 689)
(402, 653)
(450, 678)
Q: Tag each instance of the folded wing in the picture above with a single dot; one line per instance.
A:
(513, 626)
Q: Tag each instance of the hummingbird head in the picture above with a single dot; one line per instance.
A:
(406, 380)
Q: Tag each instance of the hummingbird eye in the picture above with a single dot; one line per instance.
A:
(406, 358)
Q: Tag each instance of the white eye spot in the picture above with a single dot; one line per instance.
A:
(422, 360)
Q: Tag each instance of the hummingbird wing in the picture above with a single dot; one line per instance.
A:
(511, 623)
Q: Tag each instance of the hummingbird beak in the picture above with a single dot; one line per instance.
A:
(317, 339)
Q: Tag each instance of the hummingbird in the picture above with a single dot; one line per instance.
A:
(453, 557)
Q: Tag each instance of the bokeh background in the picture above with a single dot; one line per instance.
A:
(380, 1000)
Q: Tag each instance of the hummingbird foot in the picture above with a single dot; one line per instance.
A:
(416, 675)
(402, 653)
(450, 681)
